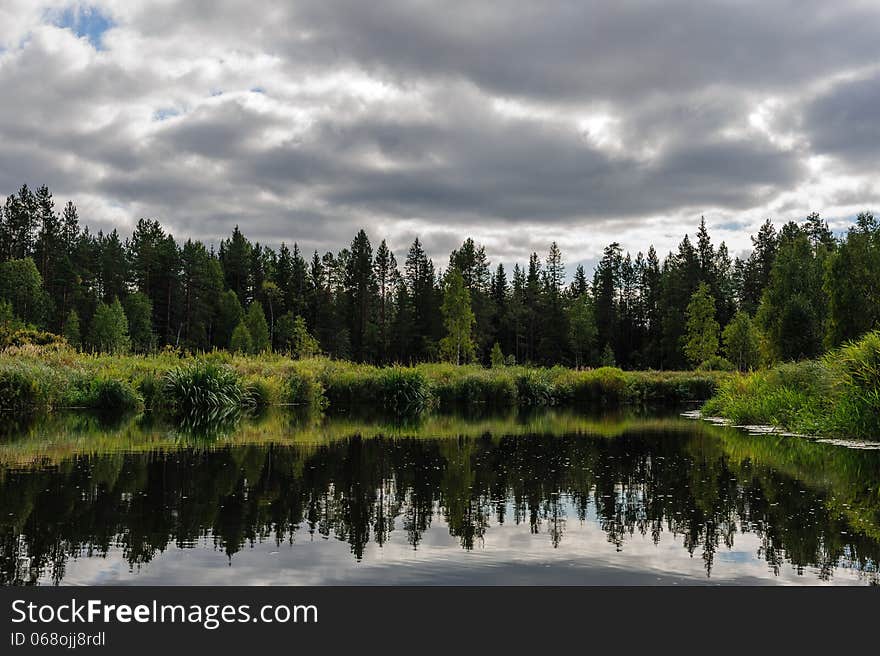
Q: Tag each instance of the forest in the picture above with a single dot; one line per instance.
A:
(800, 292)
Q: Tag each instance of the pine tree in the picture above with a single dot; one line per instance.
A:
(582, 330)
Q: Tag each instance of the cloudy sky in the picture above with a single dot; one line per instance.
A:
(517, 123)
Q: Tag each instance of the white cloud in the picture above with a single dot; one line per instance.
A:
(304, 121)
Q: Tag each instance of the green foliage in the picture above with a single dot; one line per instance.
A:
(836, 395)
(72, 332)
(856, 368)
(852, 282)
(102, 393)
(403, 391)
(742, 342)
(304, 389)
(458, 319)
(806, 290)
(535, 388)
(255, 320)
(302, 344)
(793, 308)
(109, 329)
(139, 312)
(22, 286)
(582, 330)
(203, 385)
(29, 337)
(241, 341)
(701, 338)
(607, 358)
(717, 363)
(496, 357)
(260, 392)
(7, 316)
(23, 387)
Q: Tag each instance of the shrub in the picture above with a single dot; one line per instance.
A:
(403, 391)
(304, 389)
(203, 385)
(259, 393)
(149, 386)
(603, 386)
(21, 388)
(716, 363)
(534, 388)
(856, 371)
(112, 394)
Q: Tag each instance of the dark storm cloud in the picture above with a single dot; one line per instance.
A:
(567, 49)
(844, 122)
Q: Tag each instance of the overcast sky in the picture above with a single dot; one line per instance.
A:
(516, 123)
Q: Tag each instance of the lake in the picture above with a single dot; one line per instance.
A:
(537, 498)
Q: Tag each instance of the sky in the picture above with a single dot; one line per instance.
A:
(516, 123)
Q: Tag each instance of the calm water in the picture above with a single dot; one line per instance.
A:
(550, 498)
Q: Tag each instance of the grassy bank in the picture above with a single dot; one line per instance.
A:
(34, 378)
(838, 394)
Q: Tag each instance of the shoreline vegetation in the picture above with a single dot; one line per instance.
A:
(47, 378)
(836, 395)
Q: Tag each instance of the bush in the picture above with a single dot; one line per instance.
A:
(304, 389)
(403, 391)
(856, 371)
(534, 388)
(716, 363)
(21, 388)
(259, 392)
(203, 385)
(149, 386)
(112, 394)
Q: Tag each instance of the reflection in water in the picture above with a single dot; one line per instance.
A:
(140, 491)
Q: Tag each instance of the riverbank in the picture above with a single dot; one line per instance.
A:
(837, 395)
(43, 379)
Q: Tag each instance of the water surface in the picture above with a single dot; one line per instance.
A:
(542, 498)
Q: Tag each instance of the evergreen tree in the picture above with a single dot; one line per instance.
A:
(229, 315)
(235, 258)
(202, 282)
(360, 292)
(742, 342)
(793, 307)
(702, 328)
(385, 269)
(852, 283)
(420, 282)
(755, 272)
(582, 330)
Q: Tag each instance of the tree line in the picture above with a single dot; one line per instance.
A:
(800, 291)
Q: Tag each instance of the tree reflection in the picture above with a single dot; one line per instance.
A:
(704, 489)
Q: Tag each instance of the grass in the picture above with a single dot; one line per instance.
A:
(838, 394)
(45, 378)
